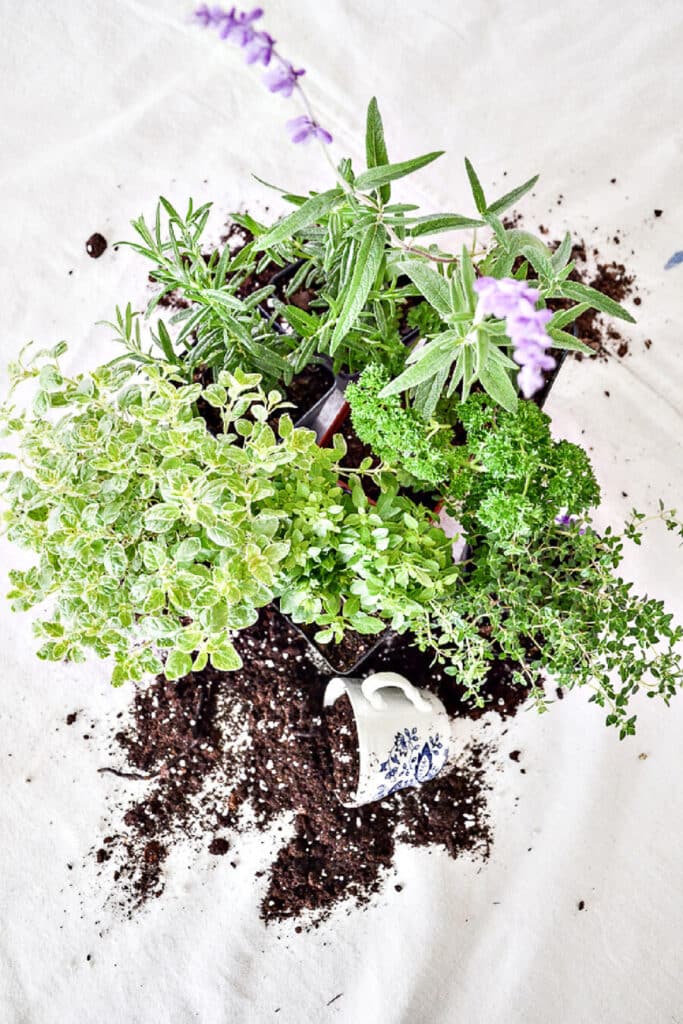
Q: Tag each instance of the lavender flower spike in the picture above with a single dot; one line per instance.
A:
(239, 27)
(260, 49)
(303, 129)
(283, 79)
(204, 15)
(515, 302)
(502, 297)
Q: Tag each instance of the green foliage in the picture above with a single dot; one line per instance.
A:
(398, 435)
(424, 318)
(520, 479)
(536, 581)
(155, 540)
(152, 535)
(551, 587)
(218, 329)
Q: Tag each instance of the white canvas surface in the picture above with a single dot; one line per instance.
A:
(104, 106)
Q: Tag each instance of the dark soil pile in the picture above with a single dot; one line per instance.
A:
(219, 754)
(342, 736)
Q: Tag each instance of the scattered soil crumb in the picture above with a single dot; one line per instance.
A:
(96, 245)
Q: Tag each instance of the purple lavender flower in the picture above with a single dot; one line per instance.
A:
(303, 129)
(515, 302)
(204, 15)
(260, 49)
(565, 519)
(501, 297)
(283, 78)
(239, 26)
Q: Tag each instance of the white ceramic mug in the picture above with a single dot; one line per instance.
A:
(403, 733)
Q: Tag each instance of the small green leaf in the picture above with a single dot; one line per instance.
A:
(178, 664)
(225, 658)
(510, 198)
(187, 550)
(50, 379)
(153, 555)
(475, 185)
(433, 286)
(375, 145)
(206, 515)
(367, 265)
(378, 176)
(496, 381)
(366, 624)
(41, 403)
(308, 213)
(220, 535)
(115, 561)
(437, 222)
(160, 518)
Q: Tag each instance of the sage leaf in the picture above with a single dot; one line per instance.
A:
(563, 340)
(378, 176)
(375, 146)
(433, 358)
(308, 213)
(433, 286)
(603, 303)
(368, 261)
(436, 222)
(475, 185)
(510, 198)
(496, 381)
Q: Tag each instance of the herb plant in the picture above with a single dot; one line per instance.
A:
(156, 538)
(153, 535)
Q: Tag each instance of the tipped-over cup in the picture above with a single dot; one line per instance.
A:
(403, 734)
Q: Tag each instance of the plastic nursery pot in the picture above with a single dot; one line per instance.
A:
(402, 737)
(341, 659)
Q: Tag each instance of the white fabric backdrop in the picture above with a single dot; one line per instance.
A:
(104, 107)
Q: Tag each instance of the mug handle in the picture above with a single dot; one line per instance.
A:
(376, 682)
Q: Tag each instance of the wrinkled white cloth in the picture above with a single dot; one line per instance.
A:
(104, 107)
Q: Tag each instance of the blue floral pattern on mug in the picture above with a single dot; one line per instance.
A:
(411, 761)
